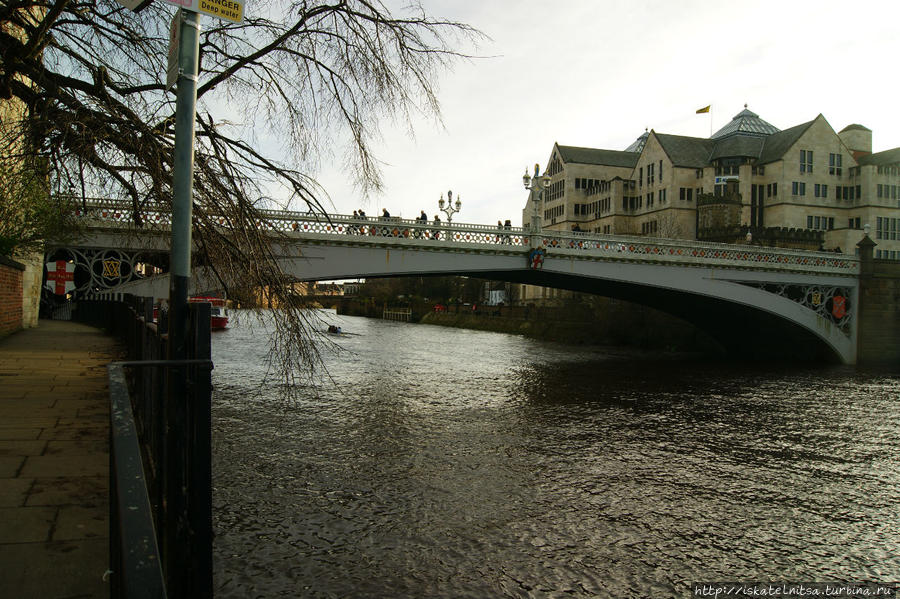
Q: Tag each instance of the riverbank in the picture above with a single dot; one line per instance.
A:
(54, 461)
(646, 332)
(604, 322)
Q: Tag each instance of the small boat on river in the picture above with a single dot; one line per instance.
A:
(218, 312)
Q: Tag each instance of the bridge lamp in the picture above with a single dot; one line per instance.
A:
(450, 208)
(536, 185)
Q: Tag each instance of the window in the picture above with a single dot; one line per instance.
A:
(649, 228)
(859, 192)
(817, 191)
(660, 170)
(880, 191)
(806, 161)
(798, 188)
(662, 196)
(641, 176)
(820, 223)
(699, 173)
(886, 228)
(834, 164)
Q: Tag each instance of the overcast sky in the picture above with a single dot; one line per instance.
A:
(595, 73)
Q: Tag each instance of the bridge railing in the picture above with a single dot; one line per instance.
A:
(160, 453)
(397, 231)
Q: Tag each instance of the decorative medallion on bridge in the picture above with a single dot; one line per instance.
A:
(831, 303)
(86, 270)
(536, 258)
(112, 269)
(60, 277)
(839, 306)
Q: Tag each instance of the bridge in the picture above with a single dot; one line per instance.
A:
(769, 300)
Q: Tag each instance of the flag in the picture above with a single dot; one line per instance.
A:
(704, 109)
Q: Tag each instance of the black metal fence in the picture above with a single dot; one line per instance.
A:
(160, 452)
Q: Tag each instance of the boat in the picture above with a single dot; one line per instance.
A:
(218, 312)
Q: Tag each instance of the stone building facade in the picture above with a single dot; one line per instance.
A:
(806, 187)
(807, 178)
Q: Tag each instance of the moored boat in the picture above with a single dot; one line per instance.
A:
(218, 312)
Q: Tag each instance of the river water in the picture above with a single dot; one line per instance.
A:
(454, 463)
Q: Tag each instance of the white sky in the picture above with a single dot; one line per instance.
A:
(595, 73)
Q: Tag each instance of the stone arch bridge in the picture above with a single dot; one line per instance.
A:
(765, 301)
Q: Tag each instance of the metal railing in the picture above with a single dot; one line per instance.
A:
(160, 452)
(342, 229)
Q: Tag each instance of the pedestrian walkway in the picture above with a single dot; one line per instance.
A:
(54, 461)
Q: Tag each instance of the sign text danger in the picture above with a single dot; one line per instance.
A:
(226, 9)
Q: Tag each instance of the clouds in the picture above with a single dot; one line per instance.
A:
(595, 74)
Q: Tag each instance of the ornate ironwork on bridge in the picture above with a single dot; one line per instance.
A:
(89, 269)
(818, 291)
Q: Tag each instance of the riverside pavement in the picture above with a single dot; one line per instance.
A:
(54, 461)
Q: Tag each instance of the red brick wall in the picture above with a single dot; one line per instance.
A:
(10, 296)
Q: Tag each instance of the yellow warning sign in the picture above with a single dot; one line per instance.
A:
(225, 9)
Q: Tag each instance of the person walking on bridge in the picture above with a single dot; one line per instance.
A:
(436, 232)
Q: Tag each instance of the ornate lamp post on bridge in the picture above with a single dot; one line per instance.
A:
(451, 208)
(536, 184)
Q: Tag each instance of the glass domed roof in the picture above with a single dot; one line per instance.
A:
(746, 122)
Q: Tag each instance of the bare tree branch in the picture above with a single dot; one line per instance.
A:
(313, 76)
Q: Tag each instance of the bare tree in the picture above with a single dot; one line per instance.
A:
(311, 75)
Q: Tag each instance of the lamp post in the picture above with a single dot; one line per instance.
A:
(451, 208)
(536, 185)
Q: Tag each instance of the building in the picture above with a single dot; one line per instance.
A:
(807, 187)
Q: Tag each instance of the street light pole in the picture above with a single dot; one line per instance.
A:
(183, 182)
(536, 185)
(450, 210)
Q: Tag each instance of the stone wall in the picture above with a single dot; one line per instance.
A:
(717, 212)
(10, 296)
(879, 314)
(31, 288)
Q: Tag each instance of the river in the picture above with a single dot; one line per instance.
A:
(453, 463)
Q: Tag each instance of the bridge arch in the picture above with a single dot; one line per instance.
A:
(751, 299)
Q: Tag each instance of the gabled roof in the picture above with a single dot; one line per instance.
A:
(881, 158)
(746, 122)
(777, 144)
(686, 151)
(578, 155)
(738, 145)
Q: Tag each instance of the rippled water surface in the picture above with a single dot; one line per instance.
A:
(456, 463)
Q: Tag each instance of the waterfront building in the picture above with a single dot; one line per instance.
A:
(806, 187)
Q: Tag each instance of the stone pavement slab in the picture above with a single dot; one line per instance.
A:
(54, 461)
